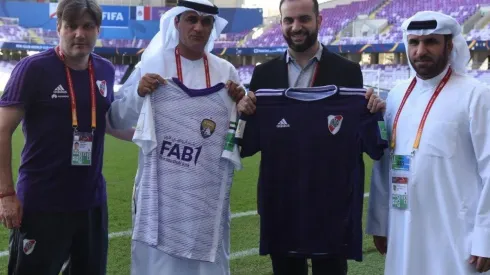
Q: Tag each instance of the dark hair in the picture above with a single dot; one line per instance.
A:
(70, 10)
(447, 38)
(316, 9)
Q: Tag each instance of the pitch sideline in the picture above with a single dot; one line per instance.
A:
(235, 255)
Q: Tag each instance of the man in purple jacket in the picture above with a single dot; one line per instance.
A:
(62, 95)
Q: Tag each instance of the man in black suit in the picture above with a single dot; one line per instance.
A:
(306, 63)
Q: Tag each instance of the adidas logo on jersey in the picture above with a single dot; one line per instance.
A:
(282, 124)
(59, 92)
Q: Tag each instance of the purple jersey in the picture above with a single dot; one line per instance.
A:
(47, 181)
(311, 177)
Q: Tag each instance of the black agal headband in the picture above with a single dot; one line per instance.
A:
(422, 25)
(199, 7)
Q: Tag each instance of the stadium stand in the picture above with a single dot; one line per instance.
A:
(480, 34)
(336, 29)
(399, 10)
(334, 20)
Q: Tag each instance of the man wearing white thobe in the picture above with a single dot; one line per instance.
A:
(429, 208)
(187, 33)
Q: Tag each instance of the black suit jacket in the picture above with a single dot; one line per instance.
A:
(334, 70)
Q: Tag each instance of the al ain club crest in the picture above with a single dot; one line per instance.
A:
(334, 123)
(207, 128)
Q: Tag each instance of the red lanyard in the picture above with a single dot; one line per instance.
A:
(315, 73)
(179, 68)
(71, 90)
(426, 112)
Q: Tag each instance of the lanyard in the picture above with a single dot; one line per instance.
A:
(179, 68)
(71, 90)
(315, 73)
(426, 112)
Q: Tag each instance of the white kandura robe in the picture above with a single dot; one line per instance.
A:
(124, 114)
(449, 194)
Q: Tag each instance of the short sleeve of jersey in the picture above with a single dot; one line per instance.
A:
(247, 135)
(144, 135)
(373, 135)
(21, 84)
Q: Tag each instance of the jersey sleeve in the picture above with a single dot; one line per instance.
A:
(247, 135)
(379, 197)
(373, 135)
(231, 151)
(125, 110)
(21, 86)
(144, 134)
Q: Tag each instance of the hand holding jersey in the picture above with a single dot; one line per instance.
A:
(149, 83)
(247, 104)
(236, 91)
(375, 103)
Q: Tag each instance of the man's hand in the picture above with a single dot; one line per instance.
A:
(381, 244)
(235, 91)
(10, 212)
(149, 83)
(247, 104)
(482, 264)
(375, 103)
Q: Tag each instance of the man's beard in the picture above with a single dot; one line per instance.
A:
(310, 40)
(437, 66)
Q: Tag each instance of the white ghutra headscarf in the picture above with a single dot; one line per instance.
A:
(430, 22)
(168, 36)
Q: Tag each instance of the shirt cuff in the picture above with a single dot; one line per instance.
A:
(137, 99)
(377, 221)
(481, 242)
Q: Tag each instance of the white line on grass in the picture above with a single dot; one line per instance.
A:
(236, 255)
(243, 214)
(244, 253)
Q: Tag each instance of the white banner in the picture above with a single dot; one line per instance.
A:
(52, 10)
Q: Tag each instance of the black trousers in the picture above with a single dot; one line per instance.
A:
(46, 240)
(293, 265)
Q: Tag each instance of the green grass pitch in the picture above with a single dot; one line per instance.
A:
(120, 162)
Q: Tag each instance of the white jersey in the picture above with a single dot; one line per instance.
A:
(189, 156)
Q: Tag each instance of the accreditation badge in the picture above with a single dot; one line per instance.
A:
(400, 180)
(81, 152)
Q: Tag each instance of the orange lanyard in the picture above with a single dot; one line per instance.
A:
(426, 112)
(71, 90)
(179, 68)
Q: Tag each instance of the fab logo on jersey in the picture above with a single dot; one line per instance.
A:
(179, 152)
(207, 128)
(334, 123)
